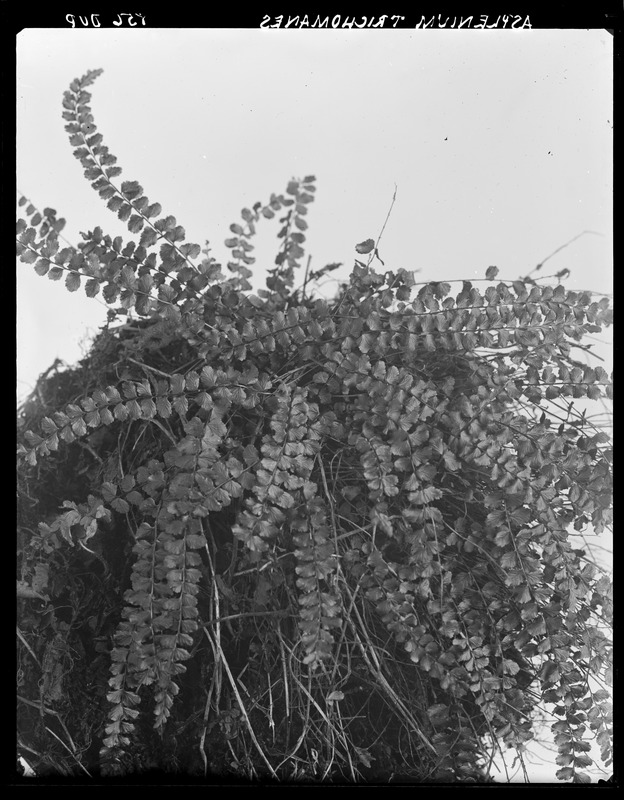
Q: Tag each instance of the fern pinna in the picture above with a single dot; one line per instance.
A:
(332, 538)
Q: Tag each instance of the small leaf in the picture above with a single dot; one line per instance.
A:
(42, 266)
(115, 203)
(29, 256)
(153, 210)
(148, 238)
(124, 212)
(120, 505)
(72, 281)
(491, 273)
(135, 223)
(108, 490)
(365, 247)
(131, 189)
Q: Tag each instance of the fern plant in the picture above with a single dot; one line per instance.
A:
(326, 539)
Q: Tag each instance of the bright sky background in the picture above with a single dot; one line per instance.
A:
(500, 144)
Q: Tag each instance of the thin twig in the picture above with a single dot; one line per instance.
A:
(165, 431)
(27, 646)
(563, 246)
(375, 252)
(151, 369)
(377, 671)
(216, 642)
(241, 705)
(90, 450)
(82, 767)
(383, 227)
(218, 620)
(305, 278)
(215, 684)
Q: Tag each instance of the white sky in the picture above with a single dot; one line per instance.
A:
(500, 143)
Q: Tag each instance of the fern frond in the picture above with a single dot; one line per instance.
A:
(100, 168)
(141, 400)
(321, 606)
(379, 489)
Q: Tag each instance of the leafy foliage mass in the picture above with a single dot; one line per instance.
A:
(304, 538)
